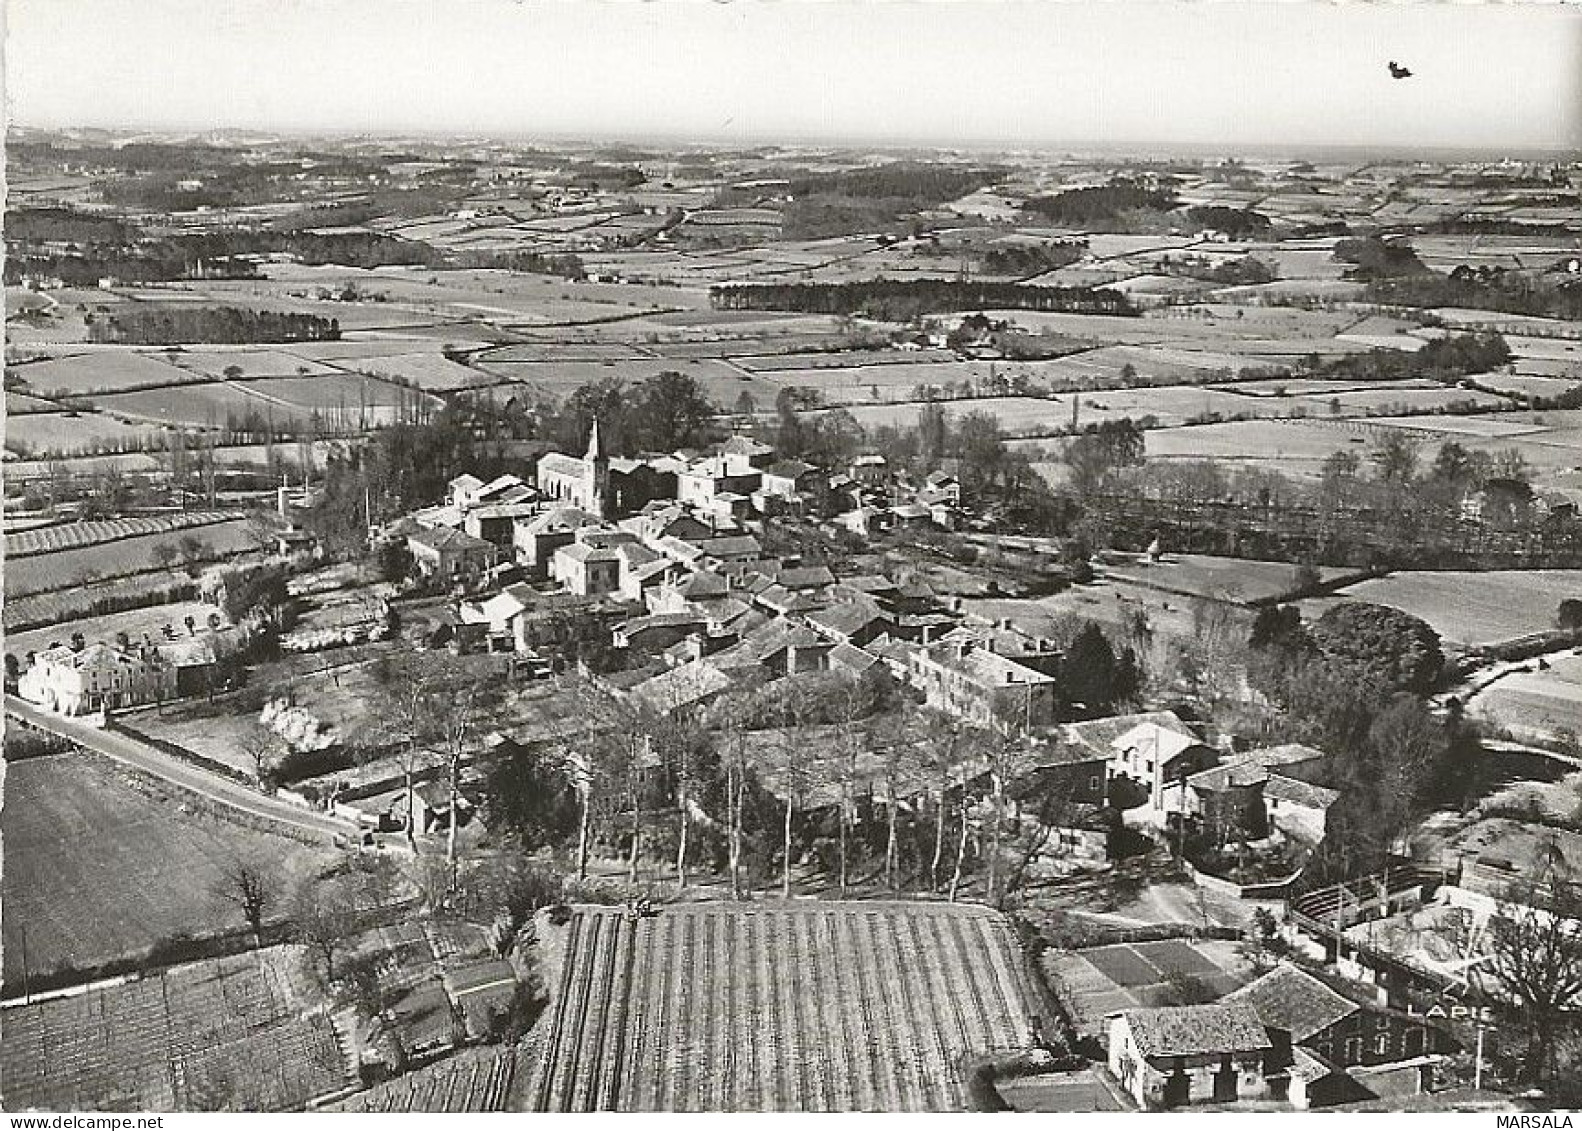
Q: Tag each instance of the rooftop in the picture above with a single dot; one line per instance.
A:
(1189, 1030)
(1291, 999)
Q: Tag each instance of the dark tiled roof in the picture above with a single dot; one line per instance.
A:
(1291, 999)
(1188, 1030)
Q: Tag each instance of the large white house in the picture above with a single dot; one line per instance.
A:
(76, 683)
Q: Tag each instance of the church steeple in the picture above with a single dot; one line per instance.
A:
(598, 469)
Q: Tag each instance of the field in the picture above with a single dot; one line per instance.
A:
(226, 1034)
(101, 865)
(475, 1080)
(65, 568)
(1536, 703)
(70, 535)
(73, 433)
(721, 381)
(1466, 608)
(99, 370)
(1240, 580)
(781, 1007)
(62, 605)
(1106, 979)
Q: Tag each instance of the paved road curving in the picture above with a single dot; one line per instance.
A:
(212, 787)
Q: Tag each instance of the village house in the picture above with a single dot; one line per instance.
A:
(448, 554)
(1150, 757)
(537, 538)
(704, 480)
(99, 676)
(1178, 1055)
(968, 680)
(1259, 789)
(1340, 1031)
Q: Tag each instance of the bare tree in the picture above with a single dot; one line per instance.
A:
(262, 748)
(1535, 953)
(323, 917)
(251, 886)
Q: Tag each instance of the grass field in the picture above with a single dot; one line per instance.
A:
(721, 382)
(227, 1034)
(1536, 704)
(1471, 609)
(101, 369)
(782, 1007)
(39, 434)
(65, 568)
(101, 865)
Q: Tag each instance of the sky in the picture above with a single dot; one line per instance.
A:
(1220, 73)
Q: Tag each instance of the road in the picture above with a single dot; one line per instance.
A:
(211, 787)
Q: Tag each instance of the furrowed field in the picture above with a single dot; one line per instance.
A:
(230, 1033)
(781, 1007)
(65, 568)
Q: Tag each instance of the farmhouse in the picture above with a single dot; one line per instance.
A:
(75, 683)
(1148, 752)
(1263, 788)
(1178, 1055)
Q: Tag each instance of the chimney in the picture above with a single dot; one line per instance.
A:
(280, 500)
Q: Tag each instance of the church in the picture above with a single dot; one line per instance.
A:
(604, 487)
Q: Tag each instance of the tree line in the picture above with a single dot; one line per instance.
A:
(902, 300)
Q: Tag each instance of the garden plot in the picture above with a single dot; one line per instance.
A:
(1103, 980)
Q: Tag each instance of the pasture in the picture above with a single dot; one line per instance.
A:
(781, 1007)
(40, 434)
(1471, 609)
(226, 1034)
(1103, 980)
(102, 865)
(100, 370)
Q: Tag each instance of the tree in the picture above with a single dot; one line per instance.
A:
(671, 411)
(1092, 675)
(1394, 457)
(1091, 457)
(252, 887)
(1399, 650)
(323, 917)
(1535, 948)
(531, 797)
(1569, 615)
(262, 747)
